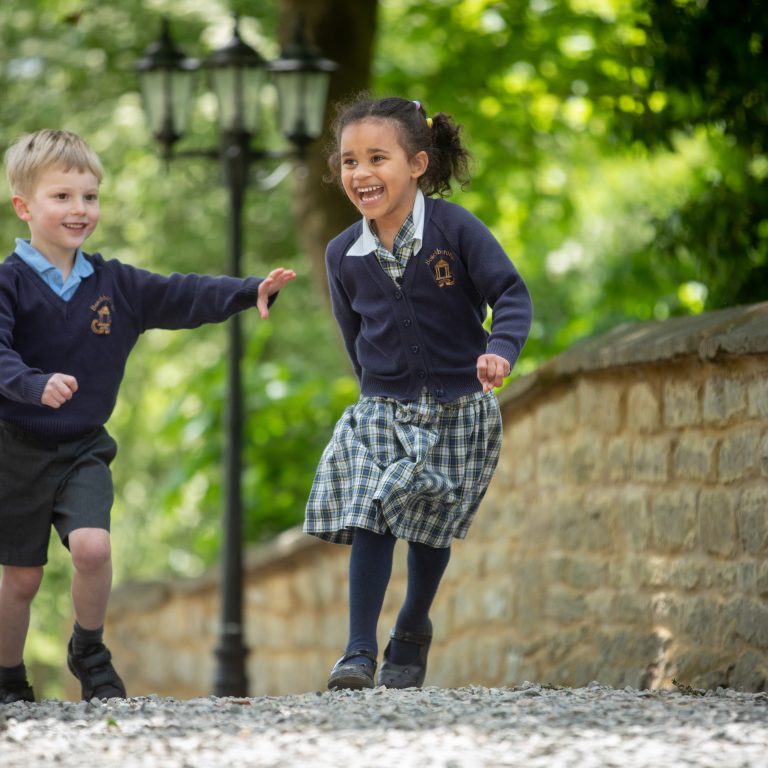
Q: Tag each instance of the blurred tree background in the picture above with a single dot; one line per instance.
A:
(619, 156)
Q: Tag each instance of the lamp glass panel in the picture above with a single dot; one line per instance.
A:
(302, 97)
(238, 91)
(167, 95)
(181, 98)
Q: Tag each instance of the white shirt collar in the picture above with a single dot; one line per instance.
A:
(366, 243)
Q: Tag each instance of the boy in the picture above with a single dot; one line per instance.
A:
(68, 321)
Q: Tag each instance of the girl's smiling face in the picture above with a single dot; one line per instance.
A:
(377, 174)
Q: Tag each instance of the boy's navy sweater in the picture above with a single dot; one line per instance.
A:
(429, 332)
(90, 336)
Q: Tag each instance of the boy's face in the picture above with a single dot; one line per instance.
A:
(61, 211)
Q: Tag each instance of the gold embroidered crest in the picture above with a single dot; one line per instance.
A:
(440, 263)
(102, 323)
(443, 274)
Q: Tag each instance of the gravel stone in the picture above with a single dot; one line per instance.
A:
(532, 725)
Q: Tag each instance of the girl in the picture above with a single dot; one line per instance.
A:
(410, 285)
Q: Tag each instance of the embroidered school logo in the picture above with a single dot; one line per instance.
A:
(440, 263)
(102, 323)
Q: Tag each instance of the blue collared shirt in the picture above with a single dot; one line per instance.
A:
(52, 276)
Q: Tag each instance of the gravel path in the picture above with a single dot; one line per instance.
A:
(531, 725)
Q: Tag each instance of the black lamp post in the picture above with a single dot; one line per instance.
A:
(238, 74)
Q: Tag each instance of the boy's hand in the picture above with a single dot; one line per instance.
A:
(59, 390)
(491, 371)
(272, 283)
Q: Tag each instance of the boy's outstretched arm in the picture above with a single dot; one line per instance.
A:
(270, 285)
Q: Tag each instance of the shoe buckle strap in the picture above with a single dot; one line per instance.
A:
(406, 636)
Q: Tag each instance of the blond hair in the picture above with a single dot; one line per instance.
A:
(44, 150)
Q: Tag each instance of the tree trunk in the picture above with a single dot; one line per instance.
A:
(344, 31)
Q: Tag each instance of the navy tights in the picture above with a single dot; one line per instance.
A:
(370, 567)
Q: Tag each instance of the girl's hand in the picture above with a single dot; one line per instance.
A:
(491, 371)
(271, 284)
(58, 390)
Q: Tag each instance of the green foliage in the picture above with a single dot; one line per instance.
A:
(564, 106)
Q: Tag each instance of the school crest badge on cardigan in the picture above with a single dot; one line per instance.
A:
(439, 262)
(102, 323)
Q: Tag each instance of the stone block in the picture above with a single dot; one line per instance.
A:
(673, 514)
(721, 576)
(752, 618)
(752, 520)
(566, 642)
(651, 458)
(665, 608)
(564, 605)
(750, 673)
(686, 573)
(467, 608)
(329, 588)
(746, 577)
(761, 581)
(584, 574)
(550, 462)
(695, 456)
(681, 403)
(599, 405)
(517, 463)
(699, 618)
(599, 519)
(717, 521)
(558, 416)
(633, 520)
(723, 399)
(566, 529)
(631, 607)
(496, 601)
(627, 571)
(584, 459)
(757, 397)
(643, 408)
(529, 596)
(700, 668)
(762, 456)
(618, 459)
(738, 454)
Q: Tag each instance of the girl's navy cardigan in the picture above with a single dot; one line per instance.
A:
(428, 332)
(91, 335)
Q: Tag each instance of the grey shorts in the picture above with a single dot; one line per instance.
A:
(65, 485)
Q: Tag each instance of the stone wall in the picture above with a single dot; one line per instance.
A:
(623, 539)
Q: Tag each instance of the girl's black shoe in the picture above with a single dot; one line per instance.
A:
(406, 675)
(20, 691)
(351, 674)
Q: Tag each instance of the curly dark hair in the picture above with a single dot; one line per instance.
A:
(448, 158)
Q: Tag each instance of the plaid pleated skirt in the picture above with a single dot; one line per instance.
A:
(418, 470)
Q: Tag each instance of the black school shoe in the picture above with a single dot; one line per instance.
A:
(353, 675)
(406, 675)
(12, 692)
(97, 676)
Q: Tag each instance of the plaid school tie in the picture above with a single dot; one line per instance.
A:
(394, 264)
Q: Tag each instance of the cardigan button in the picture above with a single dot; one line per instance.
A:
(407, 322)
(415, 349)
(398, 294)
(422, 374)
